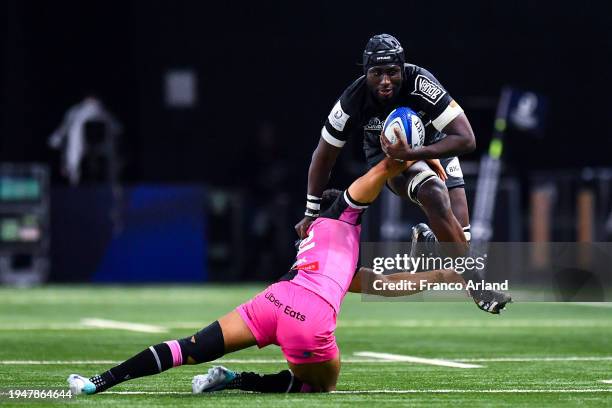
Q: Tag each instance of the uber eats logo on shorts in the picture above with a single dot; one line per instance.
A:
(427, 89)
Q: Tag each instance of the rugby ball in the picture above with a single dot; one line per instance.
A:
(410, 126)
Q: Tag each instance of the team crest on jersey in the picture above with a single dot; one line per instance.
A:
(427, 89)
(338, 117)
(375, 124)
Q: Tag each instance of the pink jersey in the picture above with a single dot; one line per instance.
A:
(327, 259)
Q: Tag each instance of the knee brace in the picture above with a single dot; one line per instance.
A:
(205, 345)
(416, 183)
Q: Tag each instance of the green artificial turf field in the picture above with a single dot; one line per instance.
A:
(535, 354)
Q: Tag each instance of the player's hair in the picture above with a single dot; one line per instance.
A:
(329, 196)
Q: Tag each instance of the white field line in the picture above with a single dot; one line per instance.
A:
(606, 381)
(224, 361)
(593, 304)
(412, 359)
(573, 323)
(534, 359)
(56, 362)
(344, 360)
(549, 323)
(113, 324)
(45, 326)
(433, 391)
(486, 391)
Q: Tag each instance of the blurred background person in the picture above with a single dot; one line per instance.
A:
(87, 138)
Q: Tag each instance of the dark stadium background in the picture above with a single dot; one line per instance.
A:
(276, 68)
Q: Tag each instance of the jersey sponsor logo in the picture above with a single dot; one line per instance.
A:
(303, 265)
(312, 266)
(273, 299)
(338, 117)
(288, 310)
(453, 168)
(420, 131)
(383, 58)
(298, 262)
(374, 124)
(427, 89)
(294, 313)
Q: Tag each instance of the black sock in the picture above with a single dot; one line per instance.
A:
(284, 381)
(151, 361)
(205, 345)
(432, 247)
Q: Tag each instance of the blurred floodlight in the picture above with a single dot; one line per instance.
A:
(181, 88)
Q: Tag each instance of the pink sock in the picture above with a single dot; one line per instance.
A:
(175, 349)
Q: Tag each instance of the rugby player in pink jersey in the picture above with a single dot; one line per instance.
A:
(298, 313)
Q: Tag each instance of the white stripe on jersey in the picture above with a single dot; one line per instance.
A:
(330, 139)
(451, 112)
(352, 204)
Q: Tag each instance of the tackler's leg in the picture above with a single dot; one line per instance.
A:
(228, 334)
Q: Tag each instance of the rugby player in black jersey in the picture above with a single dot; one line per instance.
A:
(389, 82)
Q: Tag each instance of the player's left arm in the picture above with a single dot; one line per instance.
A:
(447, 117)
(459, 140)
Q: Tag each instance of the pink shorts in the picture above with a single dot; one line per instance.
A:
(294, 318)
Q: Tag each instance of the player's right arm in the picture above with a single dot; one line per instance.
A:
(333, 137)
(321, 165)
(446, 116)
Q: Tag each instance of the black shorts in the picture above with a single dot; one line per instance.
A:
(452, 167)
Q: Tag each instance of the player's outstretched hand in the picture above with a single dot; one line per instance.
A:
(490, 301)
(302, 226)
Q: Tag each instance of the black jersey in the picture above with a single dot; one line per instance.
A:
(358, 111)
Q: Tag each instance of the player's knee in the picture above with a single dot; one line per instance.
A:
(433, 195)
(205, 345)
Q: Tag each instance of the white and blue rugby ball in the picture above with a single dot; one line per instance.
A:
(409, 124)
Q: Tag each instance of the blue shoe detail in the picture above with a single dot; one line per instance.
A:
(89, 388)
(229, 377)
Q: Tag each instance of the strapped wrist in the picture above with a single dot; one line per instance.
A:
(313, 206)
